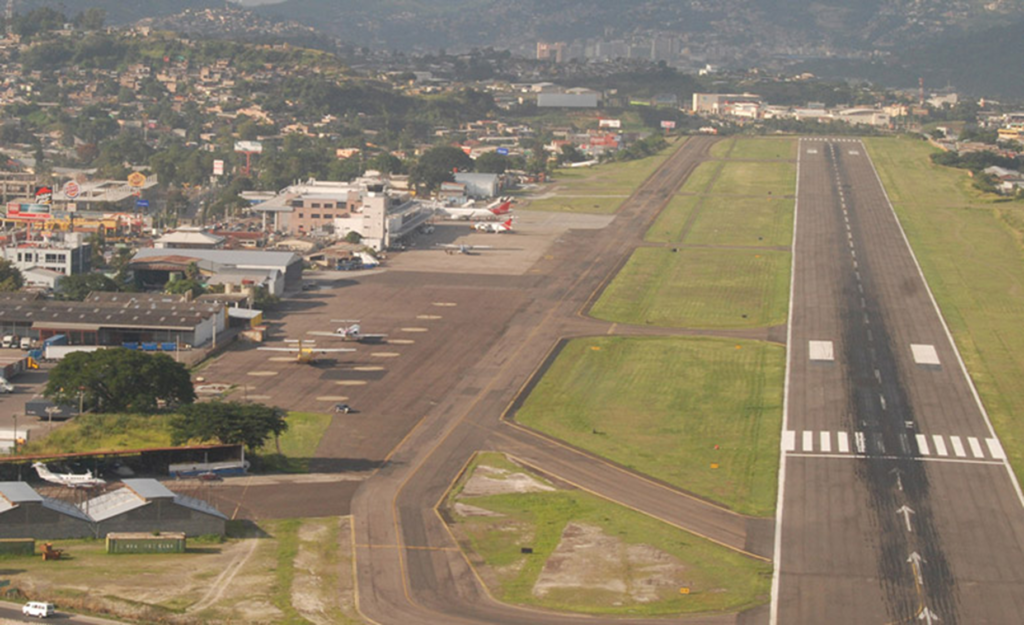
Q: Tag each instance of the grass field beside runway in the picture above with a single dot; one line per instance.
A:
(701, 177)
(622, 553)
(756, 148)
(661, 405)
(764, 178)
(581, 189)
(668, 228)
(698, 288)
(743, 221)
(970, 247)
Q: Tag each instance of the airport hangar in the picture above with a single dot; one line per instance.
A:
(113, 319)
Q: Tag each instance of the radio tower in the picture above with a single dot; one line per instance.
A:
(9, 18)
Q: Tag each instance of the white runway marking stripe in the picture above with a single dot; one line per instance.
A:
(789, 440)
(843, 442)
(922, 445)
(995, 448)
(975, 447)
(834, 442)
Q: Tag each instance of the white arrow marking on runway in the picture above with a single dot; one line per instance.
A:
(899, 481)
(928, 616)
(906, 512)
(915, 561)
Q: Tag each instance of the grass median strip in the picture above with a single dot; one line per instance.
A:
(743, 221)
(699, 288)
(590, 555)
(671, 408)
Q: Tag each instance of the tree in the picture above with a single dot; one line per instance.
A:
(78, 286)
(491, 163)
(436, 166)
(10, 276)
(231, 423)
(120, 380)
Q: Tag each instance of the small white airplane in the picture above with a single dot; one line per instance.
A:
(450, 248)
(496, 228)
(306, 354)
(353, 332)
(494, 211)
(71, 480)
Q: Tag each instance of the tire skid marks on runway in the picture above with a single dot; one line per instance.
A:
(933, 446)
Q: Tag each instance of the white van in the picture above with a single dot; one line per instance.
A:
(8, 341)
(26, 343)
(40, 609)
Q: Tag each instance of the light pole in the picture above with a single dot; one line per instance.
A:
(15, 446)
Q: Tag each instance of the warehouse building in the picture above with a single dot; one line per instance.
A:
(277, 271)
(141, 505)
(112, 319)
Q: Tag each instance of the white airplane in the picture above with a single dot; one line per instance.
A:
(71, 480)
(494, 211)
(450, 248)
(306, 354)
(352, 332)
(496, 228)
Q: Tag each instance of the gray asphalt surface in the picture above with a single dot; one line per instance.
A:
(898, 504)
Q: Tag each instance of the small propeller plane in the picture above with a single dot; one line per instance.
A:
(306, 353)
(496, 228)
(353, 332)
(71, 480)
(450, 248)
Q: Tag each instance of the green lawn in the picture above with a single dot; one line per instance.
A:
(755, 178)
(719, 580)
(764, 149)
(602, 205)
(579, 189)
(103, 432)
(668, 228)
(694, 287)
(660, 406)
(743, 221)
(701, 177)
(969, 246)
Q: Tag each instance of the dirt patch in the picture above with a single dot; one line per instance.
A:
(466, 510)
(494, 481)
(587, 559)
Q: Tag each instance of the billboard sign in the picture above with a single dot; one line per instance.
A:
(218, 167)
(667, 124)
(609, 123)
(136, 179)
(72, 189)
(44, 195)
(28, 212)
(141, 203)
(502, 151)
(254, 147)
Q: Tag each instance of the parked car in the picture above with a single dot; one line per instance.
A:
(9, 341)
(345, 408)
(40, 609)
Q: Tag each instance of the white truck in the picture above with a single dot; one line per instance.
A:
(58, 352)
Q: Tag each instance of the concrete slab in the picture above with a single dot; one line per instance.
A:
(925, 354)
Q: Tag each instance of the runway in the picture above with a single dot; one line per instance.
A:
(897, 504)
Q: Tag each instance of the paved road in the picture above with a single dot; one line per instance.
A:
(409, 568)
(898, 505)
